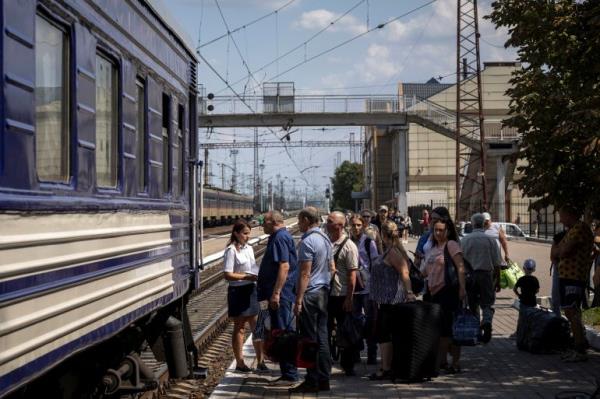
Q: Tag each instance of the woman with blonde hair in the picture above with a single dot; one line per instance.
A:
(390, 285)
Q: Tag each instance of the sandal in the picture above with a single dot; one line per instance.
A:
(381, 375)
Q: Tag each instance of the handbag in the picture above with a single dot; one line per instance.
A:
(349, 332)
(450, 271)
(465, 329)
(417, 282)
(307, 352)
(281, 345)
(513, 273)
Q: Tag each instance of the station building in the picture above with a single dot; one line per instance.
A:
(423, 161)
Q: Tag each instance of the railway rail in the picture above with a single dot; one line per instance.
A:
(207, 312)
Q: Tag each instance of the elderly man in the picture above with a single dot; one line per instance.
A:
(496, 231)
(312, 294)
(342, 290)
(574, 271)
(483, 253)
(277, 280)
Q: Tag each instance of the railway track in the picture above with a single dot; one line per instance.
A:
(207, 313)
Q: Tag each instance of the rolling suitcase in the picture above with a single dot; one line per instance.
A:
(415, 340)
(541, 331)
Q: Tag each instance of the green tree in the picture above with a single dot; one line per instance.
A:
(348, 177)
(555, 97)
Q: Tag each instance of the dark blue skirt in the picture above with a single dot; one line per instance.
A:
(241, 300)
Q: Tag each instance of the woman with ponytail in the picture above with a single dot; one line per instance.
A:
(390, 285)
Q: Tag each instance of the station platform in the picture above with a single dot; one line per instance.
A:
(495, 370)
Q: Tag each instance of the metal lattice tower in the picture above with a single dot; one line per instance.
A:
(471, 193)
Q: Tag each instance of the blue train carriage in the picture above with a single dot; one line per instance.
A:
(97, 244)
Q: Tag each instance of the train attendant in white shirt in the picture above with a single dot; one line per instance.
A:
(241, 270)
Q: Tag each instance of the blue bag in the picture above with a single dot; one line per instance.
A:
(466, 329)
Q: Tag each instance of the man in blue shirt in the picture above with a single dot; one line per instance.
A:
(277, 280)
(312, 294)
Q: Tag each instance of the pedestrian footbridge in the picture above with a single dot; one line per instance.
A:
(342, 110)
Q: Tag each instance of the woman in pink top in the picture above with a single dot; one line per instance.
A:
(447, 296)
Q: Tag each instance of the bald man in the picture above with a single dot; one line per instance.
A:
(345, 257)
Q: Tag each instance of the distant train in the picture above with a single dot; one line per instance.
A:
(223, 207)
(98, 196)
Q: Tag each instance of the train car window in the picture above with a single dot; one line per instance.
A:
(142, 136)
(181, 145)
(51, 102)
(166, 136)
(106, 122)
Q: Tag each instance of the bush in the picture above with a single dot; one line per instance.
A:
(591, 317)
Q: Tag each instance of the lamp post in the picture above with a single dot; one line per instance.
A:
(223, 165)
(260, 188)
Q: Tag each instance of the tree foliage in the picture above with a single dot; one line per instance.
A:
(555, 97)
(348, 177)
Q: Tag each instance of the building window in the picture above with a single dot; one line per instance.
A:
(180, 143)
(166, 136)
(142, 137)
(51, 101)
(106, 122)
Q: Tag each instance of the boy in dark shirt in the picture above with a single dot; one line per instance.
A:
(528, 284)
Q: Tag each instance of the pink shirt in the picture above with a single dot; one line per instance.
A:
(434, 266)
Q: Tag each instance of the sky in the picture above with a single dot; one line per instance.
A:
(418, 45)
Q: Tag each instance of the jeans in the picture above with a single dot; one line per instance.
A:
(282, 319)
(313, 325)
(483, 295)
(362, 304)
(555, 294)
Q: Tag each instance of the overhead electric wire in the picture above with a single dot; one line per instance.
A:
(243, 26)
(244, 63)
(380, 26)
(303, 44)
(248, 106)
(412, 46)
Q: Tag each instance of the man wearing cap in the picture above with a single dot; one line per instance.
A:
(483, 254)
(496, 231)
(382, 216)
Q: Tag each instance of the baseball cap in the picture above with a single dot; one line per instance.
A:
(529, 264)
(486, 216)
(383, 208)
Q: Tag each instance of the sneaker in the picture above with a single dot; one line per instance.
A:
(576, 357)
(487, 333)
(243, 369)
(262, 367)
(305, 387)
(350, 373)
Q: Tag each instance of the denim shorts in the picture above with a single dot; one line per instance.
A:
(571, 293)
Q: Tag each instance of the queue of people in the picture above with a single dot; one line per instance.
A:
(356, 266)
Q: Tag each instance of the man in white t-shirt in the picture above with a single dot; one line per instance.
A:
(496, 231)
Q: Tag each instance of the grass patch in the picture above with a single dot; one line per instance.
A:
(591, 316)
